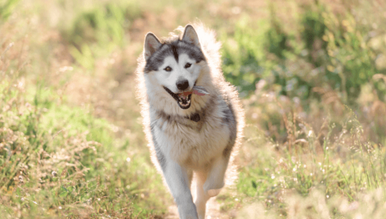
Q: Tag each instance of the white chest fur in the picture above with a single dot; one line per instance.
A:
(188, 142)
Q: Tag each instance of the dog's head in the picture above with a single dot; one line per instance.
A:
(175, 65)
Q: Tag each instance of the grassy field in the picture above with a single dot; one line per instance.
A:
(312, 76)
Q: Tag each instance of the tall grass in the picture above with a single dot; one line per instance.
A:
(311, 75)
(321, 172)
(314, 148)
(58, 160)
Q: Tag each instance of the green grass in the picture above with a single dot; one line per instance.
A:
(312, 81)
(343, 167)
(60, 160)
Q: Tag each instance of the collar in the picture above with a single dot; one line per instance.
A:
(194, 117)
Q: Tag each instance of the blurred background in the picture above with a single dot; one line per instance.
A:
(311, 75)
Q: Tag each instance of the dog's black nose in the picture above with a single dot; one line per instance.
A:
(182, 84)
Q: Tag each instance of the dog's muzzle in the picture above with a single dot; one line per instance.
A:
(183, 99)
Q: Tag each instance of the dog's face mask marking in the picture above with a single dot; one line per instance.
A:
(175, 65)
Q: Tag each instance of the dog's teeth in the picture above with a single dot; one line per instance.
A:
(184, 100)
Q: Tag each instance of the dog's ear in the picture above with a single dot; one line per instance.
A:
(151, 45)
(190, 36)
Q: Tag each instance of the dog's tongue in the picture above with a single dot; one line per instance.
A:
(199, 90)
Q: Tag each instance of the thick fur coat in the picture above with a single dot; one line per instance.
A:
(202, 139)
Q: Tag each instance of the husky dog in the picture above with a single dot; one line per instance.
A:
(192, 117)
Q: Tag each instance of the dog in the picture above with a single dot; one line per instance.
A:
(192, 117)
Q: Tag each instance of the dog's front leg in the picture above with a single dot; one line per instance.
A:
(201, 196)
(216, 175)
(178, 182)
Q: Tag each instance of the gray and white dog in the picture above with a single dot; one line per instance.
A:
(192, 117)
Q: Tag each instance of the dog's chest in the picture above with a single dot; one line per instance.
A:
(193, 141)
(197, 147)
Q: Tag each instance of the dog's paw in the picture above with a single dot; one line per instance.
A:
(213, 192)
(187, 211)
(213, 187)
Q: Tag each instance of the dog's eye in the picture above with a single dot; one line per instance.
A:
(168, 69)
(188, 65)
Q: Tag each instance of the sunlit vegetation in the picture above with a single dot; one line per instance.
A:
(311, 75)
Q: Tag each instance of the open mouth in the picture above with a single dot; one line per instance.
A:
(183, 98)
